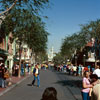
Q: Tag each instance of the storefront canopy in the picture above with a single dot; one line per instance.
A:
(4, 52)
(1, 58)
(16, 60)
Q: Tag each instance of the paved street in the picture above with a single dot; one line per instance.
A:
(71, 83)
(68, 87)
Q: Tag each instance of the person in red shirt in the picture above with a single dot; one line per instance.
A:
(86, 69)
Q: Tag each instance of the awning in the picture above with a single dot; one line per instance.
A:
(92, 60)
(15, 60)
(1, 58)
(4, 52)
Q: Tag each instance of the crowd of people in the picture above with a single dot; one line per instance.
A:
(6, 74)
(76, 70)
(24, 68)
(90, 82)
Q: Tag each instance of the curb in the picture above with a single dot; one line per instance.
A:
(14, 85)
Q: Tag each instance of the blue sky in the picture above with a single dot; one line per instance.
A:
(65, 16)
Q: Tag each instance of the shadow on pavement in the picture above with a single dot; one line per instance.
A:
(29, 84)
(62, 73)
(71, 83)
(66, 73)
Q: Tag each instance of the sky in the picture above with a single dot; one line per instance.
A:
(65, 17)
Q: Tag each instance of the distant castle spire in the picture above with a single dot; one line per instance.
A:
(51, 54)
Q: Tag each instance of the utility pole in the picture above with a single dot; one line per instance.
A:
(84, 59)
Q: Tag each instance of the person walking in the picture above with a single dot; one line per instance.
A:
(86, 86)
(36, 73)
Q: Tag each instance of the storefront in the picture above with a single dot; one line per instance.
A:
(3, 55)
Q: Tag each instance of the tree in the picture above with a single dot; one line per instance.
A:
(78, 40)
(70, 44)
(24, 22)
(58, 59)
(8, 9)
(34, 5)
(91, 29)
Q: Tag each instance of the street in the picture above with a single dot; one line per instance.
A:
(68, 87)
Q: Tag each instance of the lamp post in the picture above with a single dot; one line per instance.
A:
(75, 59)
(84, 59)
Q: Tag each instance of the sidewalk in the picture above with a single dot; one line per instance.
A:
(14, 82)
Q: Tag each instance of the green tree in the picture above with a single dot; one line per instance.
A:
(23, 20)
(26, 25)
(58, 59)
(91, 30)
(33, 5)
(77, 41)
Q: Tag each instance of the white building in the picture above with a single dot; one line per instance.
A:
(25, 53)
(51, 54)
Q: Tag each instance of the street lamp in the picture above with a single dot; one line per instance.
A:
(76, 59)
(84, 59)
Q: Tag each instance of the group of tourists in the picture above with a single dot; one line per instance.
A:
(24, 67)
(90, 82)
(91, 85)
(5, 72)
(76, 70)
(35, 69)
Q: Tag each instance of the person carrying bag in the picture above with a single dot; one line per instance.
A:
(6, 75)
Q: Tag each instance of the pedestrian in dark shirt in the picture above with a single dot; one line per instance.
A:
(36, 76)
(77, 70)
